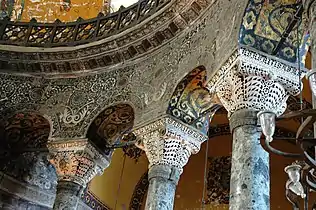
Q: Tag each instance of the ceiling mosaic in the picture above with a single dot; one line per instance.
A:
(274, 27)
(191, 100)
(48, 11)
(24, 130)
(110, 125)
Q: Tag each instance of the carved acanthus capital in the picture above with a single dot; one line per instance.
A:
(168, 141)
(76, 160)
(258, 82)
(251, 93)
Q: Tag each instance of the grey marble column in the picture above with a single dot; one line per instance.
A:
(67, 195)
(163, 180)
(250, 179)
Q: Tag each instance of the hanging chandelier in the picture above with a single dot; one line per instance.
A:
(302, 174)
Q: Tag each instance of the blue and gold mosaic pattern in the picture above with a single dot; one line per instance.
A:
(264, 23)
(188, 100)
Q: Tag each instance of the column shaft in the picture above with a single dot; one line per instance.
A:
(67, 195)
(250, 181)
(163, 181)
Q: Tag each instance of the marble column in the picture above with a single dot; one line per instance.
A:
(250, 182)
(168, 144)
(163, 180)
(76, 163)
(256, 83)
(67, 195)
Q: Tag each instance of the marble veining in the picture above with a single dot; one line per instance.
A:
(250, 181)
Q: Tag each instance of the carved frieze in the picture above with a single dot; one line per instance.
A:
(146, 84)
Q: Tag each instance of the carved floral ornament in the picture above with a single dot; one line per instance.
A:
(77, 160)
(254, 80)
(168, 141)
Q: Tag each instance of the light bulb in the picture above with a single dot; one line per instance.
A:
(296, 188)
(294, 184)
(267, 122)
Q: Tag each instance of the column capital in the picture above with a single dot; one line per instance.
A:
(168, 141)
(254, 63)
(258, 82)
(76, 160)
(252, 93)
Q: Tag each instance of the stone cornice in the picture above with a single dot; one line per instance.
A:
(138, 41)
(80, 32)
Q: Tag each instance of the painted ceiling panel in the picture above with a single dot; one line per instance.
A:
(50, 10)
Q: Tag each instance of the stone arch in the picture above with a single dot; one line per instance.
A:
(110, 125)
(24, 130)
(23, 158)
